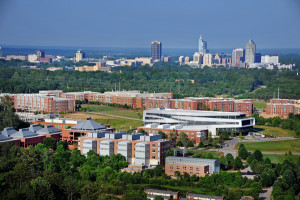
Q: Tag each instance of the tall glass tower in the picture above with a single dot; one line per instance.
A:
(250, 52)
(156, 50)
(202, 45)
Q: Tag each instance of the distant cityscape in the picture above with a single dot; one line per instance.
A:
(246, 57)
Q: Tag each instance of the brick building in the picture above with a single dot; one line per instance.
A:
(204, 103)
(51, 132)
(198, 166)
(193, 134)
(82, 129)
(27, 137)
(283, 107)
(43, 103)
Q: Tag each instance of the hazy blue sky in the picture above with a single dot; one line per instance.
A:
(135, 23)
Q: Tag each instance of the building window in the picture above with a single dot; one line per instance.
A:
(178, 167)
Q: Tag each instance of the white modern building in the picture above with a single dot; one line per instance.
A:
(80, 55)
(196, 119)
(270, 59)
(250, 52)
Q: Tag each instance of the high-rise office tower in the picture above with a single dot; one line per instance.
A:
(80, 55)
(202, 45)
(0, 52)
(237, 57)
(156, 50)
(250, 52)
(40, 54)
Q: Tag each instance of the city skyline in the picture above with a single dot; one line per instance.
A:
(103, 20)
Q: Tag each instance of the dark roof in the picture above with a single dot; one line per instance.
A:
(204, 196)
(89, 124)
(8, 131)
(34, 128)
(24, 133)
(50, 129)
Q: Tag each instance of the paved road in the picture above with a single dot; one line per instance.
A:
(97, 113)
(265, 193)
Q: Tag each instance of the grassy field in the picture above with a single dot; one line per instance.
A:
(114, 111)
(97, 108)
(278, 158)
(274, 131)
(117, 123)
(283, 146)
(259, 104)
(203, 152)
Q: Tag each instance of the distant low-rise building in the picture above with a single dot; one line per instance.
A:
(15, 57)
(165, 194)
(201, 197)
(193, 166)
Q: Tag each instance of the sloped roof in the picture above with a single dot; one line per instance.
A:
(3, 137)
(8, 131)
(50, 129)
(24, 133)
(34, 128)
(89, 124)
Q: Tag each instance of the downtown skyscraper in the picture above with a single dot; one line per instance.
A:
(156, 50)
(250, 52)
(202, 45)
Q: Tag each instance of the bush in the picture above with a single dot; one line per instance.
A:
(190, 144)
(201, 145)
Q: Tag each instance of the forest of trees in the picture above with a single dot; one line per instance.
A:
(242, 83)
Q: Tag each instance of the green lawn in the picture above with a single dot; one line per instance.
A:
(203, 152)
(278, 158)
(97, 108)
(121, 124)
(283, 146)
(259, 104)
(114, 111)
(274, 131)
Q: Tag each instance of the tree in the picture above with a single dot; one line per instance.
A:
(241, 136)
(142, 131)
(42, 188)
(238, 164)
(163, 135)
(183, 138)
(179, 144)
(190, 144)
(258, 155)
(242, 152)
(158, 198)
(215, 143)
(232, 134)
(50, 143)
(201, 145)
(223, 162)
(266, 179)
(230, 160)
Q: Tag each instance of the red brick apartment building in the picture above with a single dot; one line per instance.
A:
(283, 107)
(194, 135)
(43, 103)
(205, 103)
